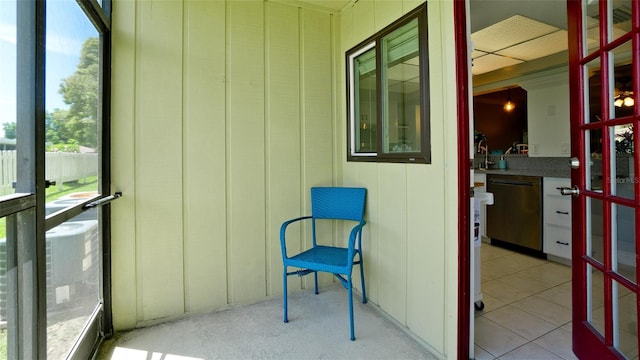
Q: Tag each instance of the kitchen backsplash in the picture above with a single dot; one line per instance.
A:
(524, 162)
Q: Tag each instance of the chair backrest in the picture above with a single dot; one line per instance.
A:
(341, 203)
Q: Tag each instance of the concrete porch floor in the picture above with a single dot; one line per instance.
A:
(318, 328)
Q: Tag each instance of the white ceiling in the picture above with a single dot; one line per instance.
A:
(505, 32)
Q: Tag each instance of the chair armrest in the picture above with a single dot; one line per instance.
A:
(283, 230)
(356, 233)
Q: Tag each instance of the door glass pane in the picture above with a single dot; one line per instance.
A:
(595, 299)
(401, 77)
(623, 100)
(593, 93)
(595, 233)
(622, 169)
(627, 321)
(7, 97)
(591, 27)
(593, 144)
(364, 68)
(71, 160)
(623, 243)
(619, 18)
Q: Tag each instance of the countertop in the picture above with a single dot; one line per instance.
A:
(558, 173)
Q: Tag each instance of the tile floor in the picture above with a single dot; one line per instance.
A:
(527, 313)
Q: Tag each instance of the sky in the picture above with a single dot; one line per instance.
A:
(67, 29)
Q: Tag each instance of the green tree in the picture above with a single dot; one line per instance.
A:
(80, 92)
(9, 130)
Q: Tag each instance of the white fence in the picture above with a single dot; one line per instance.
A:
(59, 167)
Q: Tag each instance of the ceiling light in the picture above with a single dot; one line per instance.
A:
(509, 105)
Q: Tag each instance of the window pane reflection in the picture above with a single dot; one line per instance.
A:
(623, 100)
(593, 92)
(620, 18)
(595, 247)
(624, 244)
(591, 26)
(364, 68)
(595, 299)
(627, 321)
(401, 76)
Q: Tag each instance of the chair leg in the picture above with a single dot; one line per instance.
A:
(350, 290)
(284, 287)
(364, 289)
(315, 278)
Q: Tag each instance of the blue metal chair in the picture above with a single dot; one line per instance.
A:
(329, 203)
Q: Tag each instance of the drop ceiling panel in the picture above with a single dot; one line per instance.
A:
(403, 72)
(491, 62)
(509, 32)
(477, 53)
(539, 47)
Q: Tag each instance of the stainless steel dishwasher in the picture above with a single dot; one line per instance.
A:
(516, 214)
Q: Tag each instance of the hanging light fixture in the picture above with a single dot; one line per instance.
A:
(624, 99)
(509, 105)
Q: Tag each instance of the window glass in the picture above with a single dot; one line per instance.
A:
(401, 86)
(388, 93)
(365, 102)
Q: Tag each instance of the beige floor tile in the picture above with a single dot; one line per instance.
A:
(560, 295)
(482, 354)
(545, 309)
(505, 292)
(530, 351)
(496, 339)
(490, 252)
(550, 273)
(490, 304)
(491, 271)
(520, 322)
(525, 283)
(557, 342)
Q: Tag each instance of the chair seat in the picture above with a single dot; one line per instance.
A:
(322, 258)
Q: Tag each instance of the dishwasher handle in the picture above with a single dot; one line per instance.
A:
(513, 182)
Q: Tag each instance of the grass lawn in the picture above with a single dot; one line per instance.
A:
(53, 193)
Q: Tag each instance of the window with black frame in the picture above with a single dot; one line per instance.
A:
(388, 94)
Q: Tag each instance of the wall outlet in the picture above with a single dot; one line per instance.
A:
(535, 148)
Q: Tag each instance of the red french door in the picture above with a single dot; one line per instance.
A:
(604, 66)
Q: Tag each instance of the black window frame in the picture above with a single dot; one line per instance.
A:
(424, 155)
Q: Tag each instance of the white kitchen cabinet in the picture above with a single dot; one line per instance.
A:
(556, 232)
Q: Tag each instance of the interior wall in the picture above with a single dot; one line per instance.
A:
(222, 119)
(410, 241)
(224, 114)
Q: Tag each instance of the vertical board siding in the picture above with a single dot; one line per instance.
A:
(317, 109)
(123, 214)
(225, 113)
(425, 260)
(392, 230)
(246, 146)
(158, 158)
(410, 245)
(283, 154)
(222, 121)
(204, 155)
